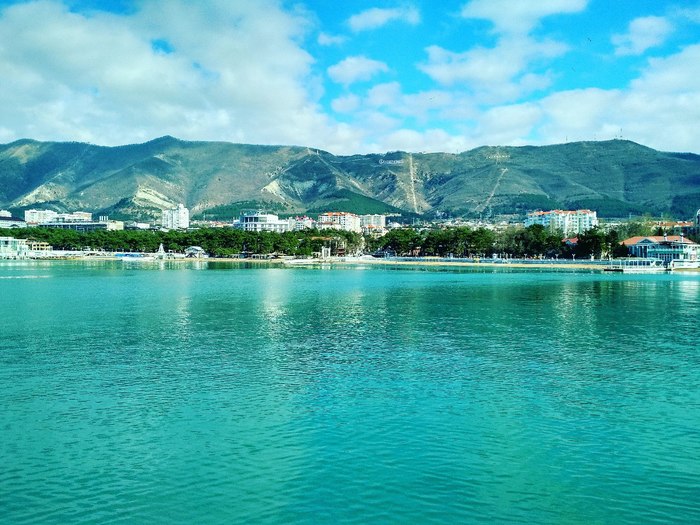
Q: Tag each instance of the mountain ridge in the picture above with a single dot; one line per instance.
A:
(616, 177)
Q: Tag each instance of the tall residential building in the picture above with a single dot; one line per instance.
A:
(340, 220)
(375, 221)
(177, 218)
(374, 225)
(261, 222)
(568, 221)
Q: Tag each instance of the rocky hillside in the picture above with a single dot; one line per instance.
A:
(615, 177)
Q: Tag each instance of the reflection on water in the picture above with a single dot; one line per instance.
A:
(281, 395)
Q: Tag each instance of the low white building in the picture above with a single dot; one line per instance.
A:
(34, 217)
(75, 216)
(570, 222)
(261, 222)
(84, 226)
(177, 218)
(41, 217)
(340, 220)
(8, 221)
(11, 248)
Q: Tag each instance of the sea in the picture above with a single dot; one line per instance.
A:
(212, 392)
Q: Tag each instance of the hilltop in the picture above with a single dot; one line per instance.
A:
(615, 178)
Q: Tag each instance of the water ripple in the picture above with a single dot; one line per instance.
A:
(356, 397)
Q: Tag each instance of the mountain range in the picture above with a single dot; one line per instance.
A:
(218, 179)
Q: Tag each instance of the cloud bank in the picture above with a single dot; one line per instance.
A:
(483, 72)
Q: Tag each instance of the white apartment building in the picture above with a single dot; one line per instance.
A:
(177, 218)
(5, 213)
(259, 222)
(568, 221)
(340, 220)
(373, 224)
(301, 223)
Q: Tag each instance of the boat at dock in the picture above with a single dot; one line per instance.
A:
(685, 264)
(637, 265)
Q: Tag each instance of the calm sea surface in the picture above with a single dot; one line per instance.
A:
(208, 393)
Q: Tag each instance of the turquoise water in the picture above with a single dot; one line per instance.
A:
(217, 394)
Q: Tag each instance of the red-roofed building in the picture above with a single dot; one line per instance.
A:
(664, 247)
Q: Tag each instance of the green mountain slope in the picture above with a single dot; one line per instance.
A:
(613, 177)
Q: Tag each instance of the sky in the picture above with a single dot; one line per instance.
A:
(352, 76)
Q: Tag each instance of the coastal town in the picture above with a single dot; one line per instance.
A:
(664, 244)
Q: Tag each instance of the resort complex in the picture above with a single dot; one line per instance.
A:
(573, 236)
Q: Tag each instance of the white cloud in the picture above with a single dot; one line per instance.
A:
(659, 109)
(325, 39)
(516, 66)
(495, 74)
(642, 34)
(510, 124)
(98, 78)
(355, 69)
(691, 14)
(238, 71)
(519, 17)
(376, 17)
(346, 103)
(431, 140)
(384, 95)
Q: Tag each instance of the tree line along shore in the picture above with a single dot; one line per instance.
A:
(513, 241)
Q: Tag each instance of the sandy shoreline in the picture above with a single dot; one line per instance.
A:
(372, 261)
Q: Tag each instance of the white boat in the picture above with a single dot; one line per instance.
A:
(637, 265)
(685, 264)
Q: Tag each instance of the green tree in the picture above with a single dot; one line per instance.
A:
(402, 240)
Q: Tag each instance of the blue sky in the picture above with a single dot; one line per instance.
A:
(352, 76)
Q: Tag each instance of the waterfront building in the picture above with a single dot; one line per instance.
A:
(340, 220)
(5, 213)
(11, 248)
(665, 247)
(261, 222)
(570, 222)
(683, 250)
(177, 218)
